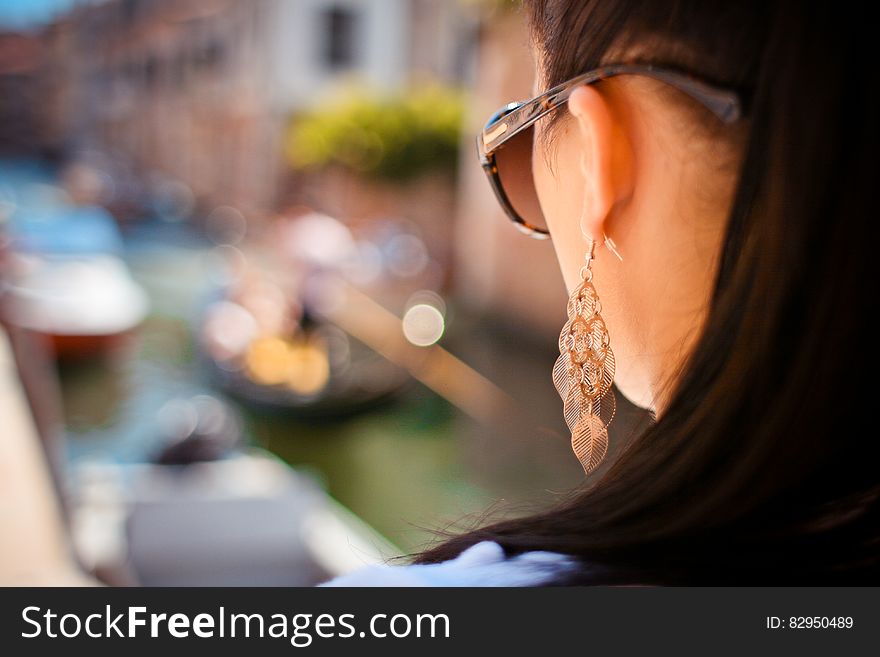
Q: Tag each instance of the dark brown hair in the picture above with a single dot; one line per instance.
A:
(763, 468)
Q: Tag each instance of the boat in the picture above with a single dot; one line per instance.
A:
(266, 338)
(247, 519)
(65, 278)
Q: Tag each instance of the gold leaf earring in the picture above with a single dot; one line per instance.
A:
(584, 371)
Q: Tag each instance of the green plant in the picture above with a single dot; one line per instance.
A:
(390, 138)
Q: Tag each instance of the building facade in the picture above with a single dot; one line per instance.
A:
(201, 90)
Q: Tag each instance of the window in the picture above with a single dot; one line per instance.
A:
(339, 27)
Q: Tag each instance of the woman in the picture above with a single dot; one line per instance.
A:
(722, 151)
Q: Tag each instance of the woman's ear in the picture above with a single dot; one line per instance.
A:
(606, 174)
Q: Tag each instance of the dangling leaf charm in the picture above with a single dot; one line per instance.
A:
(583, 375)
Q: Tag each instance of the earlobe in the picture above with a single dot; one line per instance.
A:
(597, 131)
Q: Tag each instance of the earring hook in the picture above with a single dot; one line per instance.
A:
(611, 246)
(607, 241)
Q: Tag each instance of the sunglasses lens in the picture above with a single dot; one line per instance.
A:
(514, 162)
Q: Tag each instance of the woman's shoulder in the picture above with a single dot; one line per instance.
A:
(482, 564)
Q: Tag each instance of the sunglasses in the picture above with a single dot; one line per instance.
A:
(505, 145)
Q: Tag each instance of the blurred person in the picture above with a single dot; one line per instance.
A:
(721, 152)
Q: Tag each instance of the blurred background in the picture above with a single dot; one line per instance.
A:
(259, 305)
